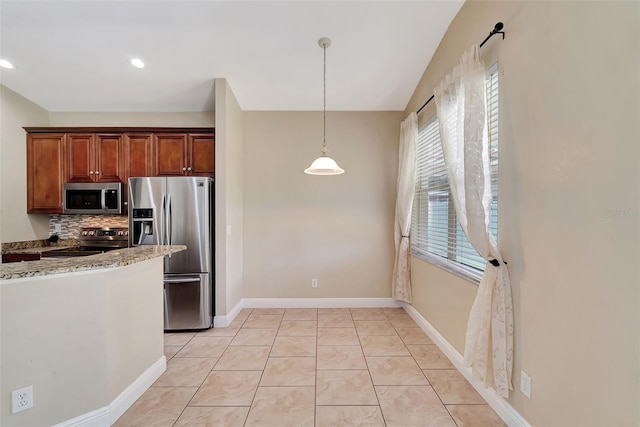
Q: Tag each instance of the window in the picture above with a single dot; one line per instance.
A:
(436, 235)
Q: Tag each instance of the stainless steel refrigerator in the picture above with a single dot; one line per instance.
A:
(178, 211)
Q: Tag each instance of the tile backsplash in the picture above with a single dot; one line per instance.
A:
(70, 224)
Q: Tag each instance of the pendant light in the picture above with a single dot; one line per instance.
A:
(324, 165)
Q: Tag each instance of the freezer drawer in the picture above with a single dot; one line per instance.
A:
(187, 302)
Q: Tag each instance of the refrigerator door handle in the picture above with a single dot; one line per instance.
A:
(163, 219)
(169, 225)
(166, 309)
(187, 280)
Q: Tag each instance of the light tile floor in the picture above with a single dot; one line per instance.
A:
(310, 367)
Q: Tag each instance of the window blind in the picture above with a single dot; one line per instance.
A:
(435, 228)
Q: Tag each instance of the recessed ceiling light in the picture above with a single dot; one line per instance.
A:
(137, 62)
(5, 64)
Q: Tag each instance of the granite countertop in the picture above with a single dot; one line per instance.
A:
(38, 246)
(111, 259)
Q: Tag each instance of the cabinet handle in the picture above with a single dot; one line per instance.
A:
(90, 172)
(97, 173)
(189, 169)
(184, 169)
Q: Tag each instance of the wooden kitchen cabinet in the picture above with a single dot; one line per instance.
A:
(138, 148)
(94, 157)
(7, 258)
(109, 160)
(202, 148)
(170, 154)
(56, 155)
(138, 159)
(187, 154)
(45, 172)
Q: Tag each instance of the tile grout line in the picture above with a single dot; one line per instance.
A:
(315, 387)
(206, 376)
(425, 376)
(375, 392)
(388, 316)
(262, 372)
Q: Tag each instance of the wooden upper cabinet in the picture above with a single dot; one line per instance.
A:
(110, 154)
(184, 154)
(45, 172)
(170, 152)
(109, 158)
(138, 154)
(80, 157)
(202, 154)
(94, 158)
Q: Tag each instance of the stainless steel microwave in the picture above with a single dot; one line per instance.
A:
(93, 198)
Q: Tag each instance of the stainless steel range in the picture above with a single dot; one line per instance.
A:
(93, 241)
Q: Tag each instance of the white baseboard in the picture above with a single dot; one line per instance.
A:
(97, 418)
(224, 321)
(504, 410)
(319, 302)
(120, 404)
(108, 415)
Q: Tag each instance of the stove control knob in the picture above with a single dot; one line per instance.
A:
(84, 233)
(126, 233)
(91, 233)
(120, 233)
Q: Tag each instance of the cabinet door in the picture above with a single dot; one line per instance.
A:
(202, 155)
(80, 158)
(138, 148)
(109, 164)
(6, 258)
(170, 154)
(45, 172)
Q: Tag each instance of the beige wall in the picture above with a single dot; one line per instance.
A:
(79, 339)
(135, 322)
(195, 119)
(229, 202)
(569, 216)
(16, 112)
(338, 229)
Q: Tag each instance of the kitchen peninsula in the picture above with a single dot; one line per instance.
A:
(86, 333)
(112, 259)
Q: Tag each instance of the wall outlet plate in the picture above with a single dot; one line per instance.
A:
(21, 399)
(525, 384)
(57, 228)
(314, 283)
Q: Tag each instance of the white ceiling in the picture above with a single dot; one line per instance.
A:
(74, 55)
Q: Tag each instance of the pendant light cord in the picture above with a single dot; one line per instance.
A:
(324, 105)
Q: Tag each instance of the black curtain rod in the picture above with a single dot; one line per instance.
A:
(496, 30)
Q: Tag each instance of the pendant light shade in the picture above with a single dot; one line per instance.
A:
(324, 165)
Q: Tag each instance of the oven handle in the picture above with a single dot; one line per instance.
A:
(104, 199)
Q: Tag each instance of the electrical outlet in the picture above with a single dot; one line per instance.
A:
(525, 384)
(21, 399)
(314, 283)
(57, 228)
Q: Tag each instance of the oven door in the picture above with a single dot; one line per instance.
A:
(187, 301)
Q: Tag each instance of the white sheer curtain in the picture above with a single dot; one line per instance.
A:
(461, 109)
(401, 280)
